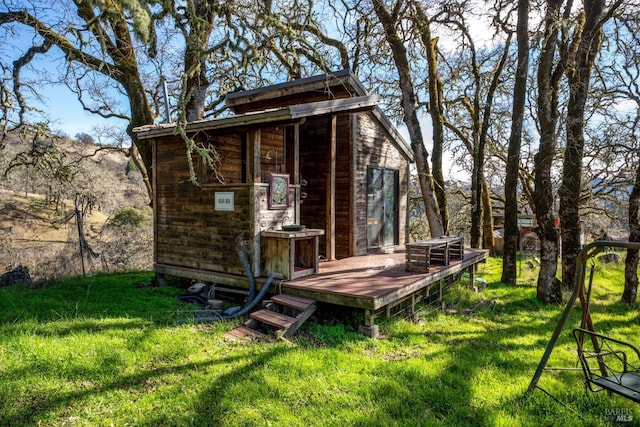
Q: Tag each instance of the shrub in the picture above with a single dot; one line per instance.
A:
(128, 217)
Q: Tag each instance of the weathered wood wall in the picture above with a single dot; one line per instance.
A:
(272, 141)
(189, 232)
(314, 169)
(230, 148)
(344, 179)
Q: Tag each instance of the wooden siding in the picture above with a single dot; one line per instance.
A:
(230, 148)
(272, 140)
(344, 196)
(313, 170)
(374, 148)
(190, 232)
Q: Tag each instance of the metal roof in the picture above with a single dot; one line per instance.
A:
(338, 78)
(290, 113)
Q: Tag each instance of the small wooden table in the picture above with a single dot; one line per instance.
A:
(291, 254)
(420, 255)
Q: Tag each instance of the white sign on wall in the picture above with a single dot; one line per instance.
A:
(224, 200)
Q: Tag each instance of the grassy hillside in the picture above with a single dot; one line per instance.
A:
(104, 351)
(44, 181)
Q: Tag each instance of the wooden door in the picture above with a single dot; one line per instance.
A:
(382, 207)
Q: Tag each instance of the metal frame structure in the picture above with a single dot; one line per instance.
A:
(582, 292)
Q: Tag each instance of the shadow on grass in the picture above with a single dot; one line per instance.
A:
(96, 297)
(433, 374)
(511, 345)
(398, 390)
(37, 407)
(63, 328)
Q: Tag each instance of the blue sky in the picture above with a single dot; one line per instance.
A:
(61, 105)
(68, 116)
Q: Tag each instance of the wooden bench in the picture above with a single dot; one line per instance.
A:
(421, 255)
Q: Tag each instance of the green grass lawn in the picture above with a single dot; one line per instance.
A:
(104, 351)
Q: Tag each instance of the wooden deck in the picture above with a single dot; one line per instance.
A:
(375, 283)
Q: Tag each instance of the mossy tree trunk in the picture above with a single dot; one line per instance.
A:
(509, 257)
(436, 111)
(630, 293)
(549, 75)
(389, 21)
(587, 42)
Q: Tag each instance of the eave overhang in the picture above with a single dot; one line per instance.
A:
(292, 113)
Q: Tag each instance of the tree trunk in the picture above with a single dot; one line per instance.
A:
(579, 76)
(140, 115)
(548, 289)
(509, 257)
(475, 234)
(421, 156)
(125, 71)
(479, 192)
(436, 112)
(631, 262)
(195, 59)
(488, 241)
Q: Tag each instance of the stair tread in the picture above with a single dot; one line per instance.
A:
(292, 301)
(243, 332)
(274, 319)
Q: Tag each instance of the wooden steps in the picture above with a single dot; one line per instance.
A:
(280, 321)
(242, 332)
(283, 314)
(291, 301)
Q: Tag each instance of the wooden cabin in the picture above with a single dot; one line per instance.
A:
(316, 152)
